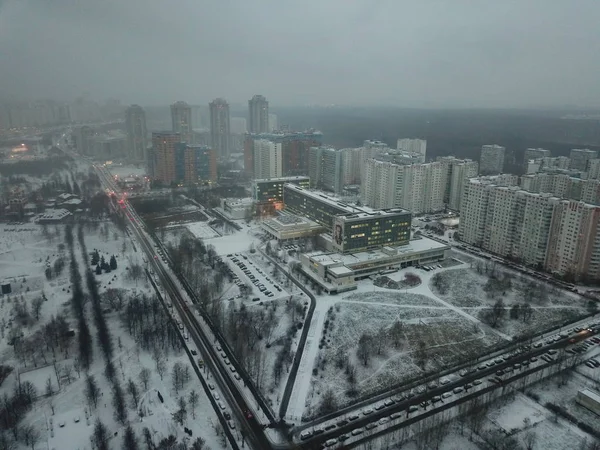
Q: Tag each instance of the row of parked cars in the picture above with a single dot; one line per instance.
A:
(239, 261)
(306, 434)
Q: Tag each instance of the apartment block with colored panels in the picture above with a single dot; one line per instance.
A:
(194, 164)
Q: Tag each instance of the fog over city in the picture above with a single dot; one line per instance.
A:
(456, 53)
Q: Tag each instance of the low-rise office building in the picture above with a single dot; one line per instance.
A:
(288, 227)
(338, 272)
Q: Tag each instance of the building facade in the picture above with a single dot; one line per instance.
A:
(181, 120)
(220, 131)
(325, 168)
(258, 113)
(271, 190)
(135, 127)
(535, 153)
(294, 150)
(162, 156)
(491, 161)
(538, 229)
(267, 159)
(194, 164)
(580, 156)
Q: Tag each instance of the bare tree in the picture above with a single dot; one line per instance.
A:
(193, 402)
(129, 439)
(31, 435)
(100, 436)
(145, 377)
(132, 390)
(529, 439)
(36, 307)
(92, 392)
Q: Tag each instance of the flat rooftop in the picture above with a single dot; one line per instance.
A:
(414, 246)
(346, 209)
(267, 180)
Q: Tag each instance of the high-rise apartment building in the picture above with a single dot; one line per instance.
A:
(181, 120)
(135, 127)
(574, 241)
(258, 113)
(352, 166)
(162, 157)
(460, 172)
(419, 188)
(580, 157)
(417, 146)
(273, 123)
(563, 186)
(535, 153)
(539, 229)
(84, 140)
(325, 168)
(294, 148)
(267, 159)
(593, 169)
(194, 164)
(220, 128)
(491, 161)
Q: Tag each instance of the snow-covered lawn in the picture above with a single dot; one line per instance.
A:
(476, 292)
(406, 341)
(202, 230)
(65, 419)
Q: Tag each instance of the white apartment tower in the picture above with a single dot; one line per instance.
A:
(267, 159)
(574, 242)
(325, 168)
(418, 146)
(135, 126)
(491, 161)
(460, 172)
(580, 157)
(535, 153)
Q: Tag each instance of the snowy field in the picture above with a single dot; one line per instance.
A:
(202, 230)
(476, 291)
(65, 418)
(126, 170)
(406, 336)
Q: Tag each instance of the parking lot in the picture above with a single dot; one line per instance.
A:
(246, 272)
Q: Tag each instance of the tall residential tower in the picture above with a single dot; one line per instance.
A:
(220, 128)
(135, 126)
(181, 118)
(258, 108)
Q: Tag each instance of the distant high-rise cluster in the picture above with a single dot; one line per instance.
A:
(491, 161)
(258, 112)
(172, 161)
(538, 229)
(416, 147)
(135, 127)
(220, 128)
(181, 118)
(294, 151)
(420, 188)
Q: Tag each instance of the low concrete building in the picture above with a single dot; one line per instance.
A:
(589, 399)
(288, 227)
(337, 272)
(238, 208)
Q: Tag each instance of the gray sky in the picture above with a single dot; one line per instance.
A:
(461, 53)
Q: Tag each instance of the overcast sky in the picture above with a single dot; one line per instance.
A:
(449, 53)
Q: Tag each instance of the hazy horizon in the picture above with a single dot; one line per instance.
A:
(515, 55)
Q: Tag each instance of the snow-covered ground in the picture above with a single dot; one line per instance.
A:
(202, 230)
(65, 419)
(470, 288)
(127, 170)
